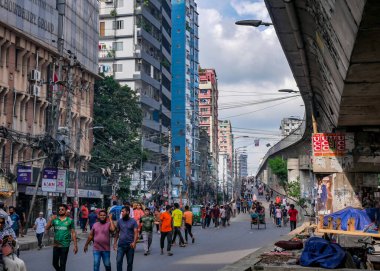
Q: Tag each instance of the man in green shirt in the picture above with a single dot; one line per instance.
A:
(177, 224)
(147, 222)
(64, 230)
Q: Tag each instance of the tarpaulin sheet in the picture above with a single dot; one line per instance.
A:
(361, 218)
(320, 252)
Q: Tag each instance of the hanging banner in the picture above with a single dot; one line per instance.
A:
(61, 181)
(24, 174)
(329, 144)
(49, 180)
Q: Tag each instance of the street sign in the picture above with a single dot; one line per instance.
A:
(24, 174)
(61, 181)
(148, 175)
(49, 180)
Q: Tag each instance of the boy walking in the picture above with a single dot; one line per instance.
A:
(147, 222)
(188, 218)
(166, 230)
(293, 217)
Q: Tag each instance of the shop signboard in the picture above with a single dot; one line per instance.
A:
(24, 174)
(49, 179)
(83, 193)
(61, 181)
(31, 190)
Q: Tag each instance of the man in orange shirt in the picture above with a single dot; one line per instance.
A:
(166, 230)
(188, 218)
(84, 217)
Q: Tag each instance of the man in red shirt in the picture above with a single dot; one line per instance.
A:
(84, 217)
(293, 217)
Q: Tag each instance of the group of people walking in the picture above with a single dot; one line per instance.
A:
(219, 215)
(282, 212)
(126, 226)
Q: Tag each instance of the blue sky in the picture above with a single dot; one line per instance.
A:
(250, 66)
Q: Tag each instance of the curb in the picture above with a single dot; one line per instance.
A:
(30, 245)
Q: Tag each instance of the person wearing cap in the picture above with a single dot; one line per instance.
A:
(39, 227)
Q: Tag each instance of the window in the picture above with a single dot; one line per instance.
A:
(118, 24)
(177, 164)
(203, 91)
(119, 3)
(177, 149)
(102, 31)
(117, 67)
(204, 109)
(117, 46)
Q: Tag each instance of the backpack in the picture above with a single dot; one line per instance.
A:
(284, 212)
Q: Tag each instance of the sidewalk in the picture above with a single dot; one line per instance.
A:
(29, 241)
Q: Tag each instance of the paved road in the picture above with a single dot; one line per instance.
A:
(213, 249)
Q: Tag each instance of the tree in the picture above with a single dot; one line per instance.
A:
(280, 169)
(118, 145)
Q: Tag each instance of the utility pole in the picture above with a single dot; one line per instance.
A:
(78, 165)
(170, 168)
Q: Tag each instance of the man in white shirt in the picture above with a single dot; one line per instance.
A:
(39, 226)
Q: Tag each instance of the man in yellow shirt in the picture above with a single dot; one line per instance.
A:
(188, 218)
(177, 223)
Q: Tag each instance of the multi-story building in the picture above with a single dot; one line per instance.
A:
(135, 48)
(225, 182)
(288, 125)
(208, 114)
(226, 156)
(242, 165)
(185, 85)
(38, 50)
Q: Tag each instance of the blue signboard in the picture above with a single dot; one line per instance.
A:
(24, 174)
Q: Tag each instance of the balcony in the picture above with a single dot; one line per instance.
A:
(150, 18)
(141, 32)
(151, 124)
(149, 101)
(152, 146)
(146, 78)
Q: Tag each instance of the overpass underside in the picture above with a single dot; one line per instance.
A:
(333, 49)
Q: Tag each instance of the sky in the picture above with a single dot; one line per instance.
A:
(251, 67)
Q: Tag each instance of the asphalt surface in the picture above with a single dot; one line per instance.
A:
(213, 249)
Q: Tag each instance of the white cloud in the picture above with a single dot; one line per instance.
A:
(248, 60)
(256, 9)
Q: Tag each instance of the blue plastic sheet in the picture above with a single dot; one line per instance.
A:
(319, 252)
(361, 218)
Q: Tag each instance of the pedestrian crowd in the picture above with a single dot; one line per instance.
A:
(122, 227)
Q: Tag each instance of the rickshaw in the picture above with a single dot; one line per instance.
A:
(258, 219)
(197, 216)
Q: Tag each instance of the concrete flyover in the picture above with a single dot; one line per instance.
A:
(333, 49)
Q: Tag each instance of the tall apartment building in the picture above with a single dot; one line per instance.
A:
(30, 60)
(242, 165)
(226, 156)
(208, 114)
(185, 119)
(135, 48)
(288, 125)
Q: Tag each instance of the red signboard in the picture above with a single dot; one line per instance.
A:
(329, 144)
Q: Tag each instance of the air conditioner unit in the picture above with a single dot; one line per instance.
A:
(139, 61)
(36, 90)
(35, 75)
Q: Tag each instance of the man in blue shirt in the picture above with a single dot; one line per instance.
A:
(127, 234)
(16, 223)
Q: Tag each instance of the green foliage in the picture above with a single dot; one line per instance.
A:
(113, 13)
(294, 189)
(280, 169)
(117, 109)
(124, 191)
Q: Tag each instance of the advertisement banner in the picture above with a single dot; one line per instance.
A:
(61, 181)
(329, 144)
(24, 174)
(49, 180)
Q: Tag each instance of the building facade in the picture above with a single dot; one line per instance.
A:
(208, 114)
(185, 86)
(47, 74)
(135, 48)
(242, 165)
(226, 148)
(288, 125)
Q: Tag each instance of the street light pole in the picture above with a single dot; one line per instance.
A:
(254, 23)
